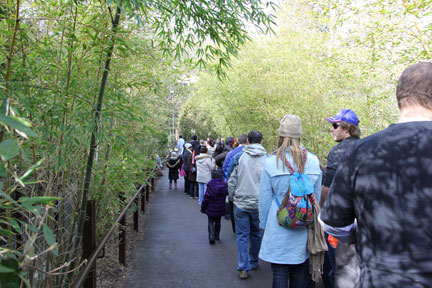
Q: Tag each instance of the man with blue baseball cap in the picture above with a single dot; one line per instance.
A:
(348, 122)
(346, 115)
(381, 194)
(345, 272)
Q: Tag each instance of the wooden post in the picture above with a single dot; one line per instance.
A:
(147, 192)
(152, 184)
(135, 215)
(122, 237)
(89, 241)
(143, 200)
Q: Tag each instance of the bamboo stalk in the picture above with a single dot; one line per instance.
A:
(93, 145)
(11, 48)
(9, 61)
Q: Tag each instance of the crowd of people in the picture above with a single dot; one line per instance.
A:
(375, 196)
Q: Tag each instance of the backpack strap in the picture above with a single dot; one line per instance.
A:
(303, 164)
(276, 199)
(292, 171)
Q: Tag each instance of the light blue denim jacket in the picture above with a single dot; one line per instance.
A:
(283, 245)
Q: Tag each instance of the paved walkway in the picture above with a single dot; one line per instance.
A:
(175, 251)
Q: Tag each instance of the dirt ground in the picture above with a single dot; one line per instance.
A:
(110, 273)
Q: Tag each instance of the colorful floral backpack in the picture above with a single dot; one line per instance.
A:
(296, 209)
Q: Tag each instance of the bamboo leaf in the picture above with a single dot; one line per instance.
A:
(47, 200)
(49, 235)
(3, 172)
(6, 270)
(24, 154)
(15, 225)
(18, 124)
(8, 149)
(5, 232)
(9, 276)
(32, 169)
(29, 207)
(7, 197)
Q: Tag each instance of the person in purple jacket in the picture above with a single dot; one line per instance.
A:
(213, 204)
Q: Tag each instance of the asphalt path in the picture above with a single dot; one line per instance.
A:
(175, 251)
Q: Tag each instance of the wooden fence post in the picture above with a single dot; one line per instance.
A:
(135, 214)
(89, 241)
(143, 199)
(122, 236)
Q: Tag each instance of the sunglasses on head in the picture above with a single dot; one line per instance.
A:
(335, 125)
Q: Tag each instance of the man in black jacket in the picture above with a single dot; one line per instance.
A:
(195, 144)
(185, 156)
(228, 147)
(341, 267)
(381, 195)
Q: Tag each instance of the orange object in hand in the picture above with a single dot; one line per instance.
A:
(333, 241)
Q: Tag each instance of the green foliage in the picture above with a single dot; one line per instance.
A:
(52, 63)
(195, 120)
(13, 260)
(9, 149)
(322, 60)
(35, 208)
(10, 275)
(214, 30)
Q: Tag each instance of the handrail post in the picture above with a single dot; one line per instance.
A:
(152, 181)
(89, 241)
(122, 236)
(143, 200)
(79, 282)
(135, 215)
(147, 192)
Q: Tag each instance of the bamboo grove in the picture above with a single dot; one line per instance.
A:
(84, 88)
(324, 56)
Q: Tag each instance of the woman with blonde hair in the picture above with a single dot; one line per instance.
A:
(285, 248)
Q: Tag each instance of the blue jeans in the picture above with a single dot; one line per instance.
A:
(202, 187)
(228, 212)
(247, 231)
(282, 273)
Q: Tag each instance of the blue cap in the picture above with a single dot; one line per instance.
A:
(346, 115)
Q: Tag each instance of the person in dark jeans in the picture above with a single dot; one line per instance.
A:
(185, 156)
(293, 274)
(381, 194)
(337, 273)
(243, 190)
(286, 248)
(227, 169)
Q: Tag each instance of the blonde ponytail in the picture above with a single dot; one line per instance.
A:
(292, 146)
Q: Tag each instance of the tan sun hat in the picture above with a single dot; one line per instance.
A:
(290, 126)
